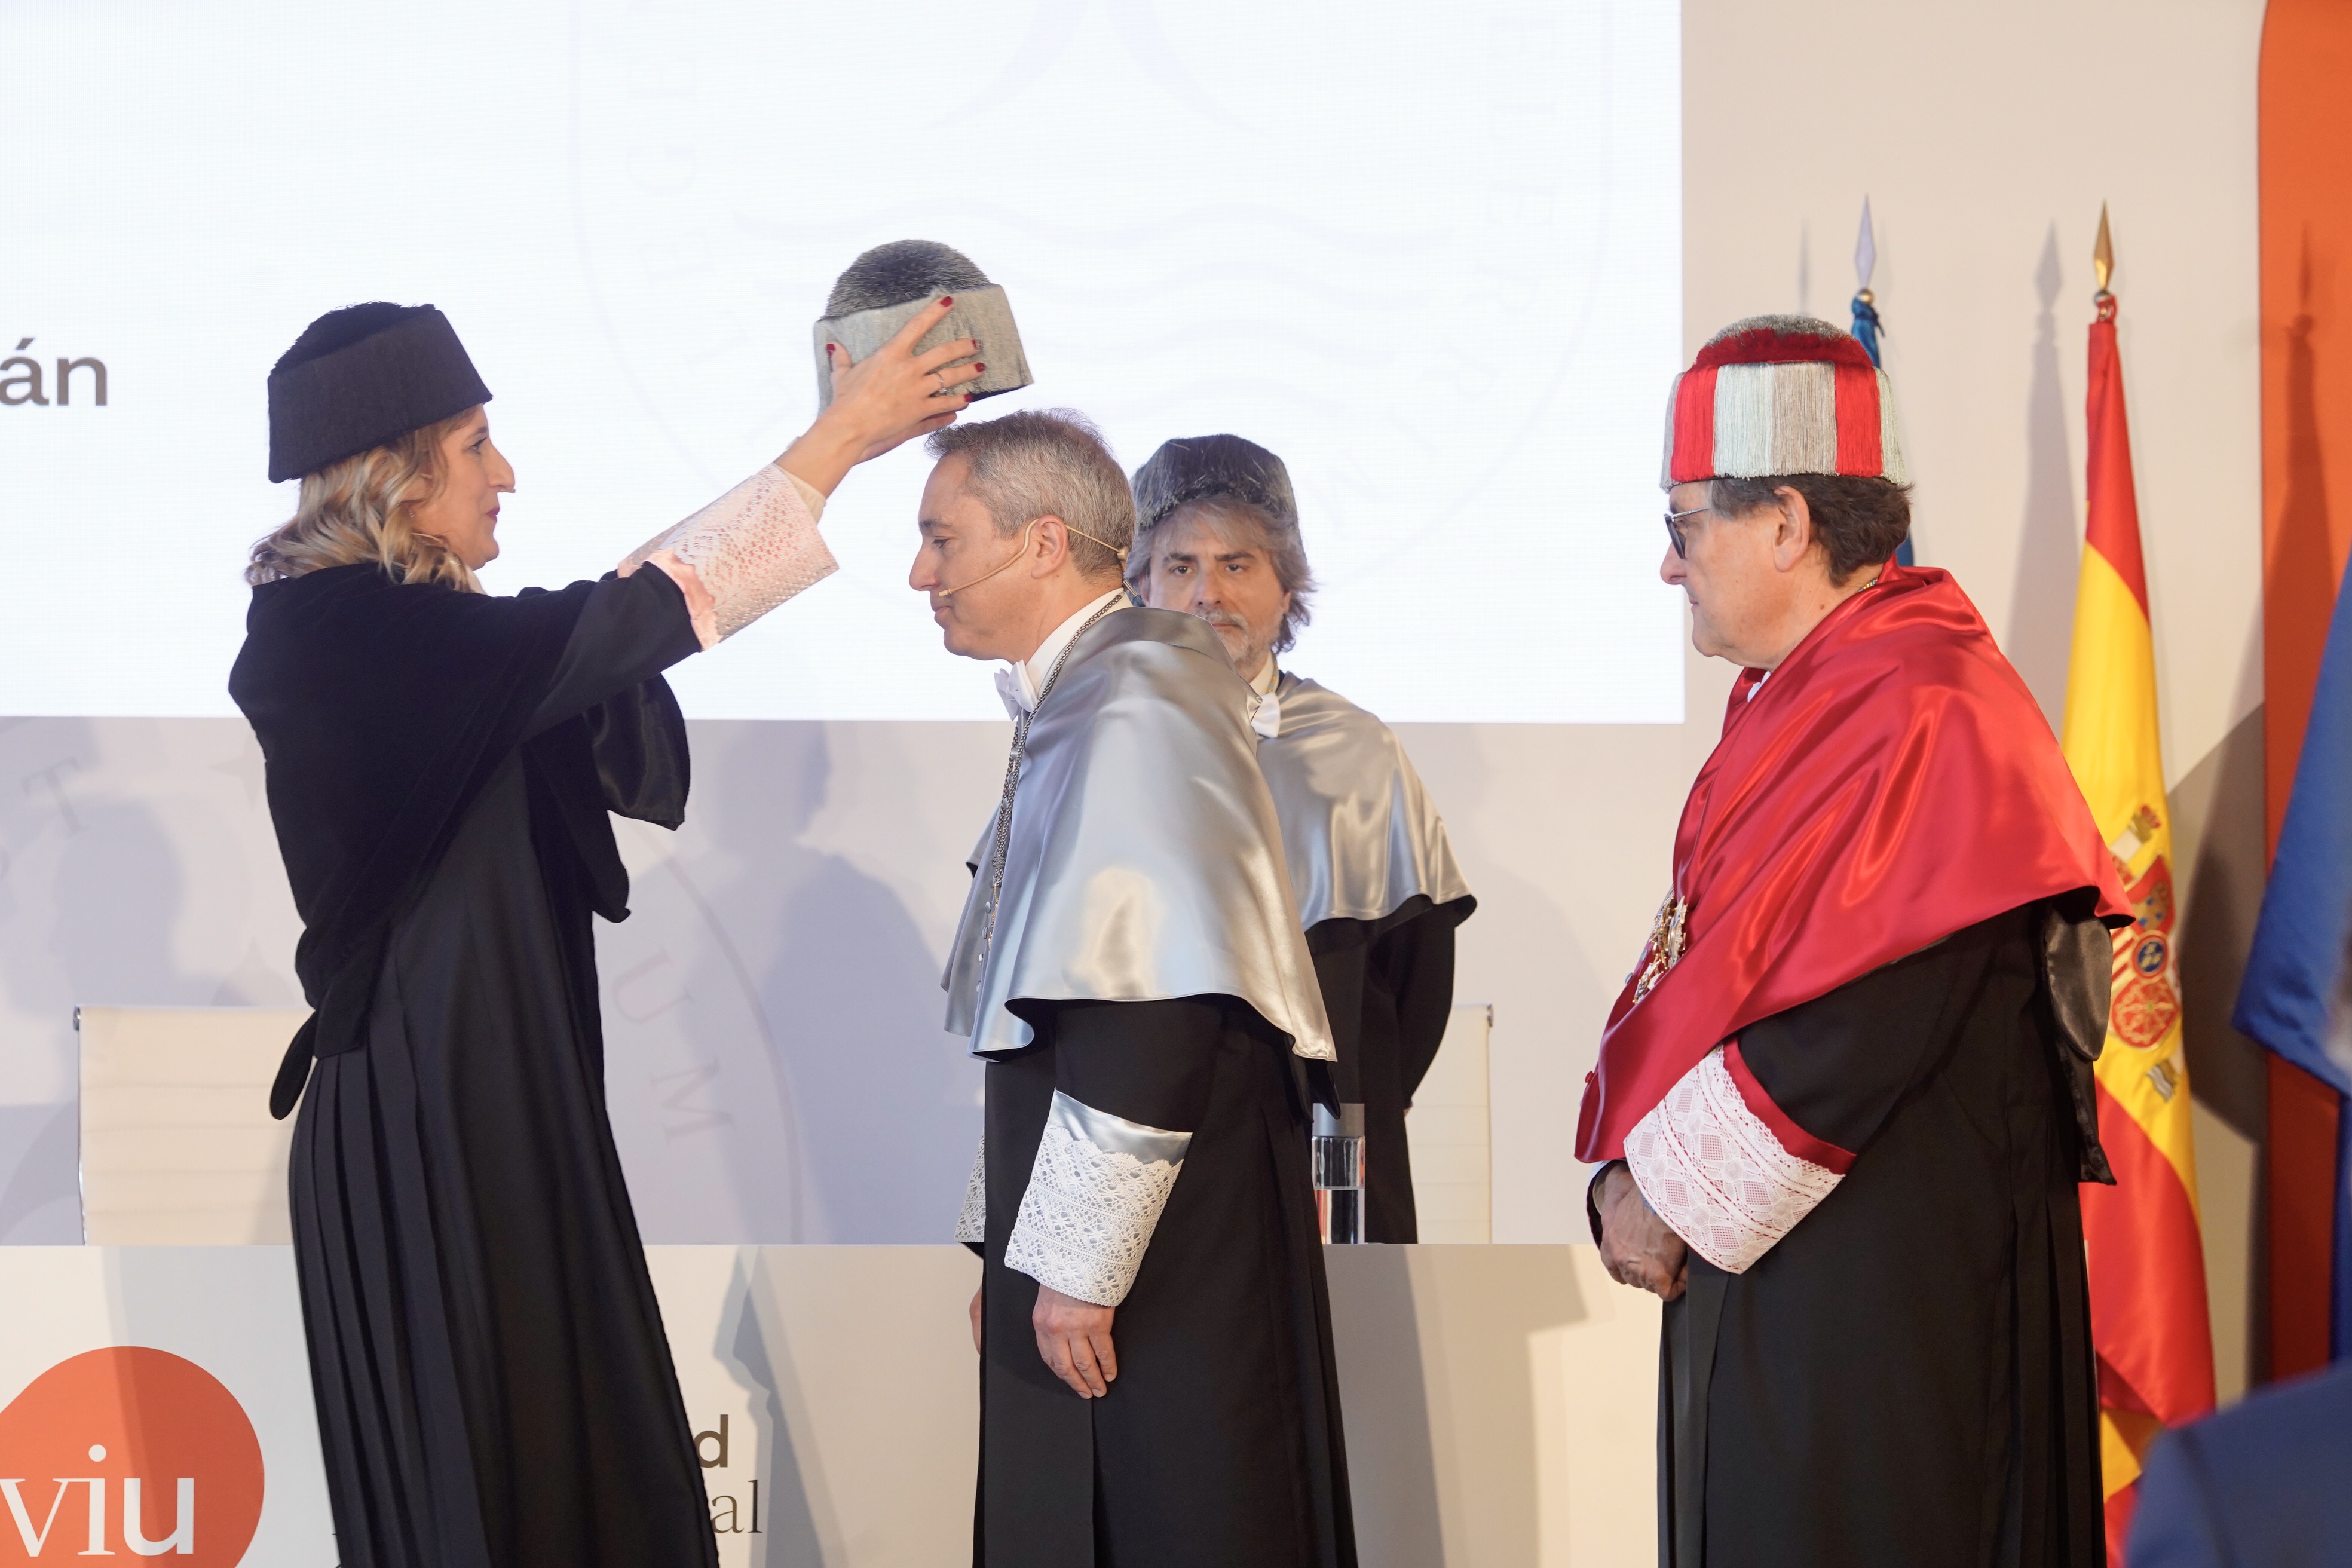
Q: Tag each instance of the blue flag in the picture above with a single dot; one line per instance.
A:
(2306, 921)
(2287, 1000)
(1865, 326)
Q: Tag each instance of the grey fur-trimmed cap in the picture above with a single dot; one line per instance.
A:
(883, 289)
(1212, 468)
(361, 376)
(1228, 468)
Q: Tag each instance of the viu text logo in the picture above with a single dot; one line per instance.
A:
(181, 1539)
(128, 1452)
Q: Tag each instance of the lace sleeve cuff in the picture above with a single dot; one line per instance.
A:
(972, 1225)
(1093, 1197)
(744, 554)
(1726, 1169)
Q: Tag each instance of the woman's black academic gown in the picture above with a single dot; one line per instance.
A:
(493, 1383)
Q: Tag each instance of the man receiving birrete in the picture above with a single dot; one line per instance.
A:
(1131, 966)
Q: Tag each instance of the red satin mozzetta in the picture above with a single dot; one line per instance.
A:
(1892, 783)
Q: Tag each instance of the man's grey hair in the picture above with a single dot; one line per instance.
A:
(1038, 461)
(1229, 479)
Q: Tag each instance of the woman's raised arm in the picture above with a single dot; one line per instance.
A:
(758, 545)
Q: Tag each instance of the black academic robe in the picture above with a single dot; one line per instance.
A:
(494, 1386)
(1388, 989)
(1227, 1387)
(1907, 1376)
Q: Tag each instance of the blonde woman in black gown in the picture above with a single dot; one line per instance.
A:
(493, 1383)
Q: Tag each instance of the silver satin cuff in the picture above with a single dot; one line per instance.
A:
(1094, 1198)
(972, 1225)
(746, 552)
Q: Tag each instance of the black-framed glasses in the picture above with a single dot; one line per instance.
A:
(1675, 529)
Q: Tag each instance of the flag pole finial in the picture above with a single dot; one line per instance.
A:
(1867, 322)
(2103, 265)
(1866, 258)
(1866, 303)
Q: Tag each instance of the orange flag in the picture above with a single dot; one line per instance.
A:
(2149, 1316)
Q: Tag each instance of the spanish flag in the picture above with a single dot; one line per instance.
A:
(2147, 1267)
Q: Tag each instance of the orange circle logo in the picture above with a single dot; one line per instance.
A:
(131, 1451)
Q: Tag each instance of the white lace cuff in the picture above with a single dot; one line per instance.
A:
(744, 554)
(1721, 1177)
(972, 1225)
(1095, 1194)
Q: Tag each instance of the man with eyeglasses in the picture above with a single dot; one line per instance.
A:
(1844, 1099)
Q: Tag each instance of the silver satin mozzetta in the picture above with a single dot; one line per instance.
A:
(1357, 827)
(1143, 861)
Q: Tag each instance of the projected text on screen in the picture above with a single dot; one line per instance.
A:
(1430, 254)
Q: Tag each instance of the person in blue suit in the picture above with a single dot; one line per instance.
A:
(2268, 1481)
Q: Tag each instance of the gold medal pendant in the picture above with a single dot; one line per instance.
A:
(1665, 945)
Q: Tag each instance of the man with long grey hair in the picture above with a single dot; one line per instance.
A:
(1378, 892)
(1130, 965)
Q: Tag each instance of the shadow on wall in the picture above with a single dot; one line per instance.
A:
(91, 893)
(793, 1531)
(40, 1199)
(776, 1060)
(1804, 268)
(2219, 801)
(136, 869)
(1443, 1354)
(1549, 897)
(2300, 582)
(2049, 553)
(890, 1101)
(2217, 810)
(1385, 1407)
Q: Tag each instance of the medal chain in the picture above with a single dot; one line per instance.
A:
(1665, 945)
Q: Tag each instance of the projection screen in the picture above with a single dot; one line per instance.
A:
(1430, 254)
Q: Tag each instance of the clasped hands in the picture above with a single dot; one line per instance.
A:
(1637, 1247)
(1073, 1337)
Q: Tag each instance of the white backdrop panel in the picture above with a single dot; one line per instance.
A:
(775, 1056)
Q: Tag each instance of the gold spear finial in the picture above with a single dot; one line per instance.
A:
(2103, 264)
